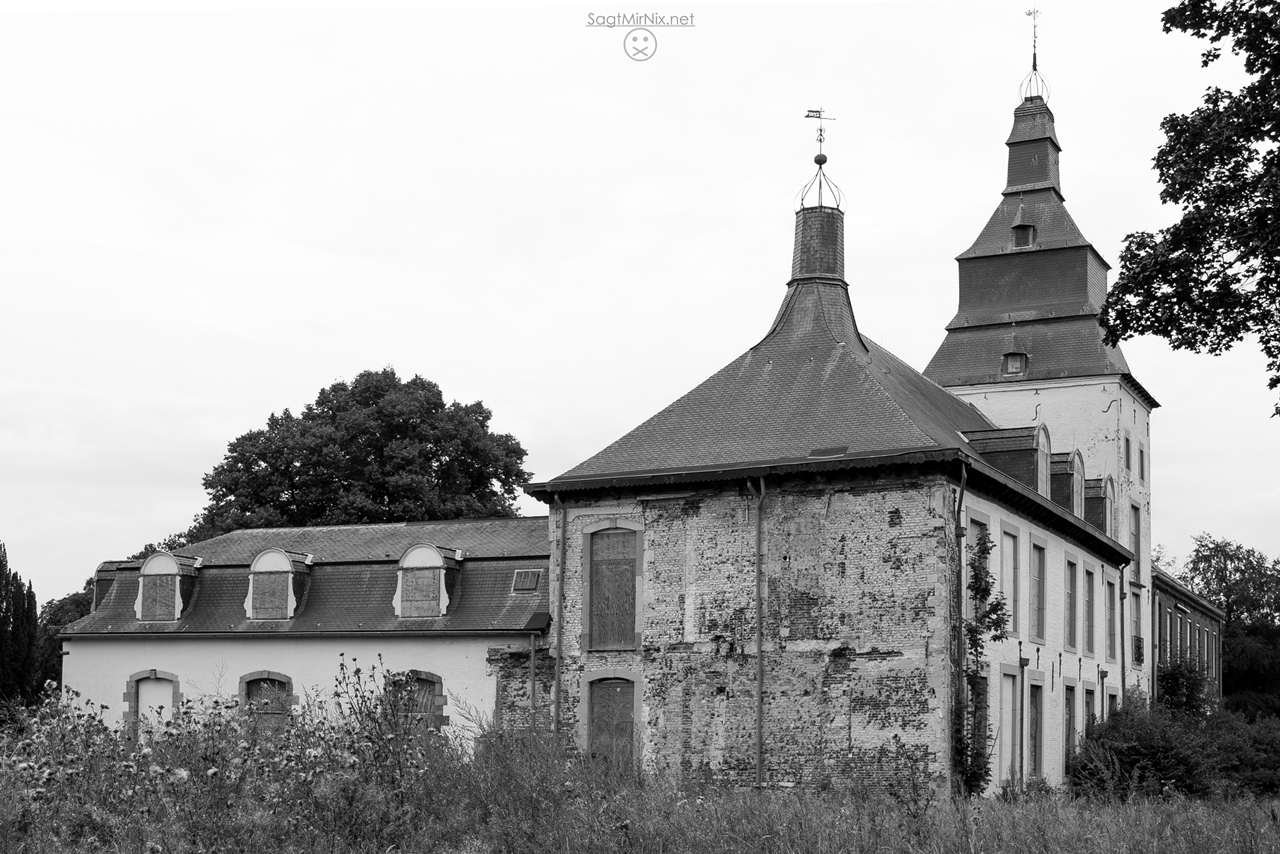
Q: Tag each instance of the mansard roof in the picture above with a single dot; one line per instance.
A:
(352, 582)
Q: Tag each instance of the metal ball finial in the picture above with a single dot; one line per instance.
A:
(820, 159)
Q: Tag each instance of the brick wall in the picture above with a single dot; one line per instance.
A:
(855, 642)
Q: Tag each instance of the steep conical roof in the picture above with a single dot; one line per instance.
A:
(813, 389)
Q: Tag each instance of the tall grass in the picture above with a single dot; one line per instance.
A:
(361, 775)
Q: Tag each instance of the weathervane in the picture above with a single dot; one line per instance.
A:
(822, 130)
(820, 178)
(1034, 84)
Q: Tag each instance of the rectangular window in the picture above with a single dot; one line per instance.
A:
(1068, 721)
(1142, 464)
(1128, 452)
(611, 729)
(526, 581)
(1135, 539)
(420, 592)
(977, 531)
(158, 595)
(1009, 576)
(1069, 618)
(1135, 607)
(271, 595)
(1009, 714)
(1180, 647)
(1037, 591)
(1035, 720)
(613, 590)
(1111, 620)
(1088, 612)
(1090, 713)
(1167, 640)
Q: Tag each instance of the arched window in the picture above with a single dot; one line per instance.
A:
(611, 730)
(425, 698)
(276, 582)
(613, 556)
(1043, 452)
(150, 696)
(425, 582)
(267, 692)
(158, 588)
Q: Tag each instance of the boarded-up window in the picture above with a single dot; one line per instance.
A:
(158, 593)
(613, 590)
(271, 596)
(420, 593)
(428, 702)
(611, 732)
(269, 696)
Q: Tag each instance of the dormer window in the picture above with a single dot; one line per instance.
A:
(1015, 363)
(424, 586)
(276, 582)
(1023, 236)
(526, 581)
(165, 582)
(1043, 451)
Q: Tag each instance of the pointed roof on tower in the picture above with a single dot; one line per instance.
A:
(1031, 283)
(814, 390)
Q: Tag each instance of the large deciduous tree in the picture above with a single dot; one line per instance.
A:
(1246, 586)
(1213, 277)
(377, 449)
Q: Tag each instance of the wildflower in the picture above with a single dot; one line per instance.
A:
(211, 773)
(181, 775)
(155, 770)
(146, 751)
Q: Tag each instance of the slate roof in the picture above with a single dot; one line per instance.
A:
(814, 388)
(478, 538)
(340, 598)
(351, 583)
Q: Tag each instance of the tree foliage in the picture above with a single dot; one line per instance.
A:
(1245, 584)
(1213, 277)
(18, 676)
(377, 449)
(55, 614)
(990, 619)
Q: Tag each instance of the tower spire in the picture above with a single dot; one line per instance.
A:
(1034, 85)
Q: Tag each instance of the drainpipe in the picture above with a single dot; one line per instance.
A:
(957, 657)
(759, 496)
(1124, 594)
(564, 533)
(533, 680)
(1022, 716)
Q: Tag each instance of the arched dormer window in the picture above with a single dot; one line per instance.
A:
(165, 584)
(424, 586)
(1109, 506)
(277, 581)
(1077, 484)
(1043, 451)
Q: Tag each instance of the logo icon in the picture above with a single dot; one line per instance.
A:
(640, 44)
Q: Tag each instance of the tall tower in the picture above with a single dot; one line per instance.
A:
(1025, 347)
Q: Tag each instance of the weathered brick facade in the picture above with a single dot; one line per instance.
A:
(857, 593)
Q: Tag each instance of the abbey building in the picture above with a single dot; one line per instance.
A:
(765, 582)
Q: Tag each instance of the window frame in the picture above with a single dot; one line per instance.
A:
(1089, 610)
(290, 698)
(1012, 574)
(603, 526)
(132, 713)
(1071, 601)
(1037, 589)
(585, 680)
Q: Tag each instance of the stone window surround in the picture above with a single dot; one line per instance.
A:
(1014, 596)
(291, 698)
(1037, 540)
(636, 677)
(441, 718)
(612, 523)
(131, 712)
(1073, 559)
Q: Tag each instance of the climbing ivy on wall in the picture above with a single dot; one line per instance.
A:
(990, 619)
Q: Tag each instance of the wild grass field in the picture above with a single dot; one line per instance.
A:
(368, 779)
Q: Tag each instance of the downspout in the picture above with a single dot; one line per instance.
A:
(564, 533)
(1124, 594)
(759, 496)
(957, 657)
(1022, 716)
(533, 681)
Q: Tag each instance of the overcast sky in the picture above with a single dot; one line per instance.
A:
(209, 214)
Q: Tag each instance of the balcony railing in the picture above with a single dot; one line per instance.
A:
(1139, 649)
